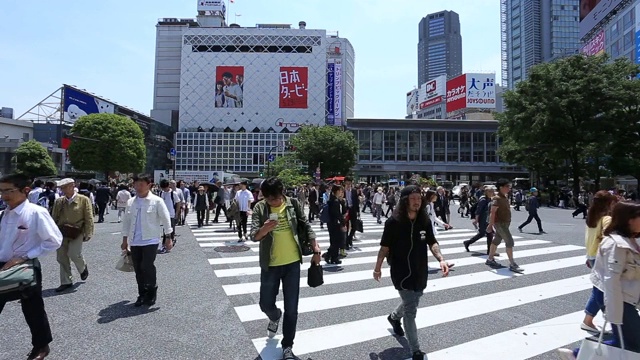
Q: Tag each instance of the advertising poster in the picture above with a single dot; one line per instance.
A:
(637, 10)
(592, 12)
(595, 46)
(77, 104)
(229, 86)
(293, 87)
(210, 5)
(412, 101)
(337, 93)
(330, 100)
(481, 91)
(457, 93)
(432, 92)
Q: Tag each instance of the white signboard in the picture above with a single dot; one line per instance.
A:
(412, 101)
(481, 91)
(211, 5)
(188, 176)
(432, 91)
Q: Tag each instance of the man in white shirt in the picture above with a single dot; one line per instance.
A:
(245, 198)
(180, 196)
(34, 194)
(172, 201)
(122, 198)
(27, 232)
(145, 221)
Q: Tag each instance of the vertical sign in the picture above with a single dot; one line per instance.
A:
(637, 10)
(330, 101)
(293, 87)
(457, 93)
(337, 93)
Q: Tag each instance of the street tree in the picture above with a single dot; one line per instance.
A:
(286, 161)
(564, 109)
(33, 160)
(106, 143)
(292, 177)
(329, 147)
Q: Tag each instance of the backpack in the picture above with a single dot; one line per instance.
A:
(234, 209)
(526, 204)
(324, 214)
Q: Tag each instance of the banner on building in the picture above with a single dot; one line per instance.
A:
(330, 92)
(229, 86)
(481, 91)
(637, 53)
(337, 93)
(211, 5)
(457, 93)
(432, 91)
(592, 12)
(595, 46)
(412, 101)
(189, 176)
(77, 104)
(293, 87)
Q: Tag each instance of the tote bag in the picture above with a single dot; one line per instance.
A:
(592, 349)
(125, 263)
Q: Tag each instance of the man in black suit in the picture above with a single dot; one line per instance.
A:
(442, 205)
(314, 196)
(353, 205)
(103, 196)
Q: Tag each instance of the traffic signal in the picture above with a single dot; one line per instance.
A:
(261, 173)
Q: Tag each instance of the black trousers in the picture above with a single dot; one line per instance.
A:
(353, 218)
(34, 314)
(582, 208)
(200, 215)
(336, 240)
(443, 216)
(102, 206)
(389, 210)
(531, 217)
(482, 232)
(243, 224)
(222, 207)
(144, 258)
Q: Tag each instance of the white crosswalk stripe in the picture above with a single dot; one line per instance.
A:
(348, 312)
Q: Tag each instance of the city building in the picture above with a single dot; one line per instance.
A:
(237, 94)
(52, 119)
(534, 32)
(457, 151)
(612, 27)
(439, 46)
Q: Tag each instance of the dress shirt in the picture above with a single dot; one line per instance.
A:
(27, 230)
(70, 200)
(34, 195)
(245, 198)
(348, 196)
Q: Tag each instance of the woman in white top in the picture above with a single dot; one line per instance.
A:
(431, 197)
(378, 199)
(122, 198)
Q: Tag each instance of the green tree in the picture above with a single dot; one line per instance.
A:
(107, 142)
(563, 111)
(286, 161)
(33, 160)
(330, 147)
(293, 177)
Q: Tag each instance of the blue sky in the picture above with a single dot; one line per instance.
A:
(107, 46)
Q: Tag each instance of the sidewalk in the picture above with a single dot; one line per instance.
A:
(192, 319)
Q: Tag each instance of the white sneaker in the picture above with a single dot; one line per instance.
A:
(565, 354)
(272, 328)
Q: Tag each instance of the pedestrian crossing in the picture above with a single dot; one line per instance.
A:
(475, 313)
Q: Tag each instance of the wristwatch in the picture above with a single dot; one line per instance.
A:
(317, 253)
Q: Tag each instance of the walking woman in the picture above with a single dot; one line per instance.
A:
(598, 219)
(337, 224)
(391, 201)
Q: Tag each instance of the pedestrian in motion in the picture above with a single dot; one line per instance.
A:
(405, 239)
(483, 209)
(499, 221)
(532, 207)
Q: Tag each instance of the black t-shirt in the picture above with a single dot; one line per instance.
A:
(408, 244)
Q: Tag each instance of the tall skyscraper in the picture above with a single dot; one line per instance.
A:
(536, 31)
(439, 46)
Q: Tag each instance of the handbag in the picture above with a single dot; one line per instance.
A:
(314, 275)
(359, 226)
(592, 349)
(70, 231)
(125, 263)
(18, 279)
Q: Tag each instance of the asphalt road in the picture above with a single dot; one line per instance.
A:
(207, 302)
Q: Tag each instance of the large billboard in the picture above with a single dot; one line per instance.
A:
(189, 176)
(337, 93)
(229, 86)
(331, 118)
(594, 11)
(293, 87)
(211, 5)
(412, 101)
(432, 92)
(77, 104)
(595, 46)
(457, 93)
(481, 91)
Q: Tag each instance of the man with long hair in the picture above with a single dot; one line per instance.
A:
(405, 239)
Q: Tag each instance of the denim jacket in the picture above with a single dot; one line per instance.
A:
(261, 215)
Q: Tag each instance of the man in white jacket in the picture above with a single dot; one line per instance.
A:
(142, 229)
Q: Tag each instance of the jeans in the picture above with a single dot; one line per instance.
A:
(269, 287)
(378, 210)
(407, 311)
(35, 314)
(143, 258)
(531, 217)
(482, 232)
(595, 302)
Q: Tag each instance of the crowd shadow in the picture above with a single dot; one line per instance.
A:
(122, 310)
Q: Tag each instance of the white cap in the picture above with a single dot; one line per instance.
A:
(65, 181)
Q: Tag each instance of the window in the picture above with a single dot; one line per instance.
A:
(465, 147)
(628, 40)
(438, 146)
(364, 145)
(426, 144)
(414, 146)
(452, 147)
(376, 145)
(492, 147)
(402, 139)
(389, 145)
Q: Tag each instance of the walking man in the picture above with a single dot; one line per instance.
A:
(274, 223)
(532, 207)
(481, 220)
(36, 235)
(499, 221)
(405, 239)
(73, 214)
(145, 222)
(442, 205)
(353, 208)
(103, 196)
(245, 198)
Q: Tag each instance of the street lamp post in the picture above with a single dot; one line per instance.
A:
(268, 159)
(171, 156)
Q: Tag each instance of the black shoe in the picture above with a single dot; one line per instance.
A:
(150, 296)
(63, 287)
(335, 262)
(396, 325)
(139, 301)
(39, 353)
(85, 273)
(418, 355)
(466, 245)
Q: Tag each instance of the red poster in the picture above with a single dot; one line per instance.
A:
(229, 86)
(293, 87)
(457, 93)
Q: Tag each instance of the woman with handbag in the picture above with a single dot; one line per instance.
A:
(617, 272)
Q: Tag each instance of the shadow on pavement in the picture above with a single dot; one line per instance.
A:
(393, 353)
(52, 292)
(121, 310)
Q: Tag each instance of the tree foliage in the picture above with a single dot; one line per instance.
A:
(330, 147)
(293, 177)
(281, 163)
(567, 113)
(33, 160)
(107, 142)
